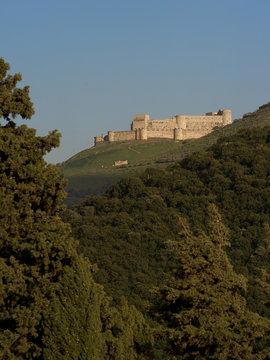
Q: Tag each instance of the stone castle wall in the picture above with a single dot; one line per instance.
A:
(121, 135)
(179, 127)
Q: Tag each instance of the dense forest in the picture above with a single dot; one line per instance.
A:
(126, 232)
(172, 264)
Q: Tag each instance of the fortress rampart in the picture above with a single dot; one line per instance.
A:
(179, 127)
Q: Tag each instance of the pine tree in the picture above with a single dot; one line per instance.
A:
(34, 249)
(13, 100)
(202, 308)
(130, 337)
(50, 306)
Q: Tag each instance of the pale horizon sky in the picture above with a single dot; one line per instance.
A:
(92, 65)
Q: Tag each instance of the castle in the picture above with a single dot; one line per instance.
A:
(179, 127)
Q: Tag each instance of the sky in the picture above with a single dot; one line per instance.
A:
(92, 65)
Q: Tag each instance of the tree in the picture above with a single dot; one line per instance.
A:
(259, 262)
(34, 249)
(202, 307)
(50, 306)
(13, 100)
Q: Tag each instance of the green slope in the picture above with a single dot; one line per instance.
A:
(92, 170)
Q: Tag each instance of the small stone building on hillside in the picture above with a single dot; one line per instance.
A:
(179, 127)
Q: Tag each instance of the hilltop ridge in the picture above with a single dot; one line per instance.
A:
(92, 171)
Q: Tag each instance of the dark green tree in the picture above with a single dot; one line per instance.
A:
(202, 308)
(260, 263)
(50, 306)
(13, 100)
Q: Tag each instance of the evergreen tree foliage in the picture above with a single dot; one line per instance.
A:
(259, 262)
(123, 231)
(202, 307)
(82, 325)
(130, 336)
(234, 173)
(33, 244)
(13, 100)
(136, 215)
(124, 236)
(50, 306)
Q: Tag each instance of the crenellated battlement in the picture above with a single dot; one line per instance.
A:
(179, 127)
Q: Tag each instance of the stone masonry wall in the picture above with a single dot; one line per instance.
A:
(203, 123)
(179, 127)
(123, 135)
(160, 134)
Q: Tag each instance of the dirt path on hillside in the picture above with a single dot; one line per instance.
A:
(136, 151)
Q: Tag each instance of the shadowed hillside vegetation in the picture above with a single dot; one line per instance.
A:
(124, 230)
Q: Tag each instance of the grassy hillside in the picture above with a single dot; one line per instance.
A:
(92, 170)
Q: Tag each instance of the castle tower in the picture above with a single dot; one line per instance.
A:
(178, 134)
(181, 121)
(110, 136)
(143, 133)
(99, 139)
(140, 122)
(226, 117)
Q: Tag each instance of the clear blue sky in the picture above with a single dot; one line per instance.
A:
(93, 64)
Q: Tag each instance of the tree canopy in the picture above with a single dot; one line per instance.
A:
(202, 307)
(13, 100)
(50, 306)
(124, 230)
(137, 214)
